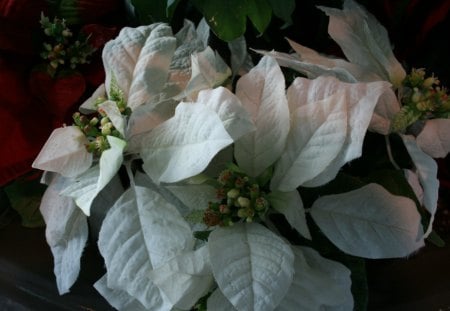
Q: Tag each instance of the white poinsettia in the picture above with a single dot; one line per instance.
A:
(207, 168)
(365, 43)
(146, 68)
(304, 136)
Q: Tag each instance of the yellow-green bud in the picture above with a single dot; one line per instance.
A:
(233, 193)
(243, 202)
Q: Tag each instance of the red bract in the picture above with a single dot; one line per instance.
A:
(59, 95)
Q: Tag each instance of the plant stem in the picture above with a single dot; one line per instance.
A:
(389, 152)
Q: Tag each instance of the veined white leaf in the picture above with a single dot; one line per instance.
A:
(196, 197)
(385, 110)
(364, 41)
(64, 152)
(334, 65)
(262, 92)
(184, 145)
(319, 284)
(66, 233)
(89, 104)
(228, 107)
(426, 168)
(86, 187)
(114, 114)
(312, 71)
(165, 231)
(317, 136)
(434, 139)
(413, 180)
(218, 302)
(140, 229)
(370, 222)
(145, 118)
(203, 31)
(251, 275)
(360, 100)
(241, 62)
(208, 71)
(185, 278)
(291, 206)
(138, 61)
(118, 298)
(188, 43)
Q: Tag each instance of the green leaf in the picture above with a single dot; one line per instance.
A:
(151, 11)
(25, 197)
(228, 18)
(171, 7)
(67, 9)
(259, 12)
(283, 9)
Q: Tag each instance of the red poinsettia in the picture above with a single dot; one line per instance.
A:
(33, 100)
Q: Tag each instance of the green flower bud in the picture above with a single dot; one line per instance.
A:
(233, 193)
(243, 202)
(104, 120)
(261, 204)
(94, 121)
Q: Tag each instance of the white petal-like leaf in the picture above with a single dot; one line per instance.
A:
(196, 197)
(251, 275)
(166, 232)
(426, 169)
(364, 41)
(114, 114)
(117, 298)
(86, 186)
(89, 104)
(319, 284)
(291, 206)
(413, 180)
(145, 118)
(385, 110)
(185, 278)
(65, 152)
(208, 71)
(138, 61)
(184, 145)
(241, 62)
(66, 233)
(310, 57)
(317, 136)
(434, 139)
(312, 71)
(360, 100)
(140, 229)
(262, 92)
(235, 118)
(370, 222)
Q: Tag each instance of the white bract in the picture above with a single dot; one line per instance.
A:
(64, 153)
(183, 130)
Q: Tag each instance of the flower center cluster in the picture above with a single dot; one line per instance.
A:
(240, 199)
(422, 98)
(97, 127)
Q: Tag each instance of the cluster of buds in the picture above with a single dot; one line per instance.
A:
(96, 129)
(422, 98)
(239, 199)
(63, 49)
